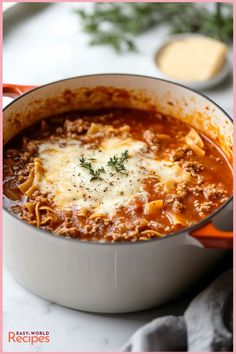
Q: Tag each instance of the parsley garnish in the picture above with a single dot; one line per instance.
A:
(117, 162)
(94, 173)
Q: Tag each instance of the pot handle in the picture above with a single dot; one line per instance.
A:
(13, 91)
(210, 237)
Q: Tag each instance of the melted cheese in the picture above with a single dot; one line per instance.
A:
(71, 186)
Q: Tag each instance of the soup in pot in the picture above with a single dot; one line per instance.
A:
(114, 175)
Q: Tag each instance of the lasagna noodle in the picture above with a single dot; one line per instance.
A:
(34, 177)
(28, 187)
(195, 142)
(28, 184)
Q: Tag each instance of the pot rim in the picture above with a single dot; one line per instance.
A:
(124, 243)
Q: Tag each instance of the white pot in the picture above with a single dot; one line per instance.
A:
(120, 277)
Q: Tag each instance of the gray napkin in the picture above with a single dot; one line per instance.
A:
(206, 325)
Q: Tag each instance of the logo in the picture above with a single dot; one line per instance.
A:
(31, 337)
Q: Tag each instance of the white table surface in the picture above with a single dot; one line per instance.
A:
(43, 45)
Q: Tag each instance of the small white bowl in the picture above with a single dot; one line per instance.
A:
(198, 85)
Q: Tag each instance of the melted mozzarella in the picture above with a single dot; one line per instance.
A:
(71, 186)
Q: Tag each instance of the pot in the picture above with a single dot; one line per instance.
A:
(114, 277)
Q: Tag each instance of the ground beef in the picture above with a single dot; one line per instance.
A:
(178, 207)
(154, 225)
(77, 126)
(30, 150)
(181, 190)
(32, 146)
(159, 188)
(68, 231)
(170, 198)
(151, 140)
(215, 192)
(196, 190)
(203, 208)
(179, 153)
(193, 167)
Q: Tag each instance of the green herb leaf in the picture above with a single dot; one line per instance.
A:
(118, 162)
(93, 172)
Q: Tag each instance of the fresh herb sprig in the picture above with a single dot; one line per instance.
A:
(117, 24)
(117, 162)
(95, 173)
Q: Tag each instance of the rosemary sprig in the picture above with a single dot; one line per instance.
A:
(94, 173)
(117, 162)
(118, 24)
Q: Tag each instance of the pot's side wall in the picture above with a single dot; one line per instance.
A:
(102, 278)
(130, 91)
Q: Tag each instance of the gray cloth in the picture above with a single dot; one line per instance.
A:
(206, 325)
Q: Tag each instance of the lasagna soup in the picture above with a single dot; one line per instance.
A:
(114, 175)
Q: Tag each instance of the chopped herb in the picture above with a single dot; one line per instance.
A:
(94, 173)
(117, 162)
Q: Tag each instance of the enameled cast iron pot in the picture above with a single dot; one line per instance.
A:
(120, 277)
